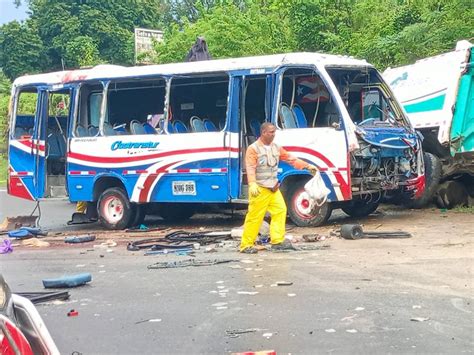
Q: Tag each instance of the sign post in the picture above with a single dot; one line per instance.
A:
(144, 41)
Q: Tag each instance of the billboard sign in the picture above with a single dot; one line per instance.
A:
(144, 43)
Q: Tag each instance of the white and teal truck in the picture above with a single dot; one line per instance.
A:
(437, 94)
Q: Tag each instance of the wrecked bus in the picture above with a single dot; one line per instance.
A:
(437, 94)
(170, 139)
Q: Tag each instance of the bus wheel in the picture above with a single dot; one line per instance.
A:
(114, 208)
(360, 207)
(432, 177)
(176, 212)
(138, 214)
(298, 204)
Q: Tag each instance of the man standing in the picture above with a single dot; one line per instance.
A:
(261, 160)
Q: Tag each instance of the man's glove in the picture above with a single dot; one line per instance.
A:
(312, 169)
(254, 190)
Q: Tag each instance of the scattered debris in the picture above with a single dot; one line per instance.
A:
(311, 238)
(284, 283)
(10, 223)
(34, 242)
(267, 335)
(153, 320)
(79, 239)
(235, 333)
(416, 307)
(359, 309)
(39, 297)
(109, 243)
(189, 262)
(72, 313)
(291, 294)
(354, 231)
(68, 281)
(330, 330)
(419, 319)
(351, 331)
(6, 247)
(251, 293)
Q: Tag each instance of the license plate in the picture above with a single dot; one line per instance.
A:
(184, 188)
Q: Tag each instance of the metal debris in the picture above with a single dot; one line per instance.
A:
(189, 262)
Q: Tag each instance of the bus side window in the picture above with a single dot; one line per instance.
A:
(135, 107)
(88, 118)
(305, 101)
(199, 104)
(25, 113)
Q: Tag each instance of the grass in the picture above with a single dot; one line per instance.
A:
(3, 170)
(464, 209)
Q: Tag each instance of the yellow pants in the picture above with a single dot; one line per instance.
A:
(272, 202)
(81, 207)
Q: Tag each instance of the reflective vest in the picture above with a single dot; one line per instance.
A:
(267, 164)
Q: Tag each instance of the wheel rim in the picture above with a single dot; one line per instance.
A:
(112, 209)
(302, 204)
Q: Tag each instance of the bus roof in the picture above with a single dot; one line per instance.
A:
(218, 65)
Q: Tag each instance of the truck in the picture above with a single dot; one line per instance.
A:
(437, 94)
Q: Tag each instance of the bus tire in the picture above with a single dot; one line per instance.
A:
(114, 208)
(176, 212)
(360, 207)
(432, 177)
(138, 214)
(297, 200)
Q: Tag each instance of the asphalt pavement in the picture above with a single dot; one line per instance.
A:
(343, 298)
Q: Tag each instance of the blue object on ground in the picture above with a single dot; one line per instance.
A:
(20, 234)
(68, 281)
(34, 231)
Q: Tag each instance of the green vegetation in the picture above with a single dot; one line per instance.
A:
(464, 209)
(70, 34)
(3, 170)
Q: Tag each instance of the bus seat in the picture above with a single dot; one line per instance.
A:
(301, 121)
(136, 127)
(179, 127)
(108, 130)
(54, 144)
(209, 125)
(149, 128)
(169, 127)
(93, 131)
(255, 128)
(81, 131)
(196, 124)
(287, 117)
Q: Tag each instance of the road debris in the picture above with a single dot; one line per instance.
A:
(6, 247)
(189, 262)
(72, 313)
(351, 331)
(284, 283)
(235, 333)
(10, 223)
(34, 242)
(312, 238)
(355, 231)
(68, 281)
(251, 293)
(153, 320)
(419, 319)
(39, 297)
(330, 330)
(291, 294)
(79, 239)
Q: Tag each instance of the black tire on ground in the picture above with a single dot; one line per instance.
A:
(176, 212)
(452, 194)
(138, 214)
(297, 201)
(351, 231)
(432, 177)
(360, 207)
(114, 208)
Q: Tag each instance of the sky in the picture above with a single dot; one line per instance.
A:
(8, 11)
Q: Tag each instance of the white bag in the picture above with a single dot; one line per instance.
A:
(317, 191)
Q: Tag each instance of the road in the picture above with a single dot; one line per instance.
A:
(348, 297)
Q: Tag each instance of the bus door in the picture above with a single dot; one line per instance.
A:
(53, 130)
(25, 149)
(253, 92)
(310, 126)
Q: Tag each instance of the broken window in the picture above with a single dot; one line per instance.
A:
(365, 95)
(305, 101)
(135, 107)
(198, 104)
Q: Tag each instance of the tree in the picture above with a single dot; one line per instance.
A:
(229, 32)
(21, 49)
